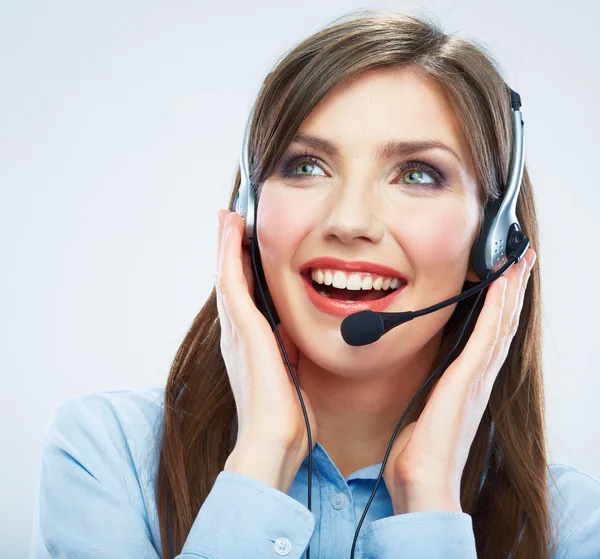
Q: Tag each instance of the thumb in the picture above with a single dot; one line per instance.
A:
(403, 438)
(431, 390)
(397, 448)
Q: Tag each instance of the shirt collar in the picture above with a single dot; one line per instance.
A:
(324, 463)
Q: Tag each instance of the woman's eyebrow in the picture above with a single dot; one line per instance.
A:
(387, 150)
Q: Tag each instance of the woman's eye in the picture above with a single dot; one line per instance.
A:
(414, 176)
(302, 169)
(412, 173)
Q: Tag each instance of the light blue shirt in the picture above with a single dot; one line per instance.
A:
(96, 499)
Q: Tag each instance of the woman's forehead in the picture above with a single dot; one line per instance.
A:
(385, 106)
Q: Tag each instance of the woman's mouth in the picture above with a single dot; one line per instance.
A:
(373, 294)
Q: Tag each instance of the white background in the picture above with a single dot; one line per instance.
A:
(120, 130)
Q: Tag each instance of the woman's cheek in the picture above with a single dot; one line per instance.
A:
(442, 239)
(281, 226)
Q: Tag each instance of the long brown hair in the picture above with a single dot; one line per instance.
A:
(199, 407)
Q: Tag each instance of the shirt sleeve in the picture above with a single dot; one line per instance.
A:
(243, 517)
(584, 542)
(577, 501)
(89, 503)
(426, 535)
(449, 535)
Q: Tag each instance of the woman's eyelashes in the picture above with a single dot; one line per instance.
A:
(412, 173)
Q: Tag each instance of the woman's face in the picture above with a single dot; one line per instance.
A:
(416, 213)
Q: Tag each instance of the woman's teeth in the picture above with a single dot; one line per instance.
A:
(353, 281)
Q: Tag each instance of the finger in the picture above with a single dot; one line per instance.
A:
(510, 318)
(514, 324)
(531, 257)
(223, 213)
(514, 304)
(223, 277)
(531, 261)
(224, 321)
(232, 285)
(526, 281)
(513, 293)
(479, 350)
(247, 258)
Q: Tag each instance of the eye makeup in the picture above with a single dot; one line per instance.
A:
(292, 160)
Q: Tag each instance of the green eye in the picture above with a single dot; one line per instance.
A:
(301, 166)
(414, 177)
(306, 169)
(412, 173)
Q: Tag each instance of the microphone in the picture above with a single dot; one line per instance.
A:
(366, 327)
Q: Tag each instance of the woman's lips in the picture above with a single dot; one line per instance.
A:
(340, 308)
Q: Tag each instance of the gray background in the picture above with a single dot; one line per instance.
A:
(120, 130)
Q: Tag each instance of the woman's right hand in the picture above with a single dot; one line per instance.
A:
(272, 441)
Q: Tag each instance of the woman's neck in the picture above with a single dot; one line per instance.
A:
(357, 417)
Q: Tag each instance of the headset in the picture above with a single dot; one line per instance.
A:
(500, 244)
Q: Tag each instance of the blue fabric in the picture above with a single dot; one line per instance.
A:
(96, 499)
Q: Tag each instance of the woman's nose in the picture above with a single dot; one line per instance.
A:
(353, 214)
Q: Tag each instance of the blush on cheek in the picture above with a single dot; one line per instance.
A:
(273, 219)
(281, 226)
(442, 240)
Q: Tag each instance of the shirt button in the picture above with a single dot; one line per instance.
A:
(339, 501)
(282, 546)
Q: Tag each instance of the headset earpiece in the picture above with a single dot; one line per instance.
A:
(501, 236)
(245, 200)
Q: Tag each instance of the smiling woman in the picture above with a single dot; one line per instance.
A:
(376, 146)
(388, 184)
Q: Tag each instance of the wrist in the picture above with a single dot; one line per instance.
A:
(425, 499)
(274, 468)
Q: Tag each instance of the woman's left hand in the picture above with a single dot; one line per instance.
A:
(428, 457)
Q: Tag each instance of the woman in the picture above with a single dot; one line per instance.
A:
(216, 464)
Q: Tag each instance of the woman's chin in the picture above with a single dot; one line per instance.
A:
(328, 350)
